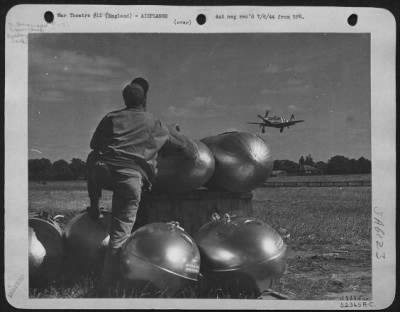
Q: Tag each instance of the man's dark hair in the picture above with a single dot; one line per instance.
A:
(142, 82)
(134, 95)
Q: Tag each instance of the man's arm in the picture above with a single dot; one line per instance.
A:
(176, 141)
(101, 134)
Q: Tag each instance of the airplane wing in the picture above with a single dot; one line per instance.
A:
(268, 123)
(256, 123)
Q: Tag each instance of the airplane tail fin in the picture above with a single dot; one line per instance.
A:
(266, 113)
(292, 117)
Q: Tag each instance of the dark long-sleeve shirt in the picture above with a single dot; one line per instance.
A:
(132, 138)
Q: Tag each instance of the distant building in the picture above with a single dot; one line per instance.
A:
(307, 169)
(278, 173)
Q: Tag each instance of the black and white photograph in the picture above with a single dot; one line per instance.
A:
(202, 165)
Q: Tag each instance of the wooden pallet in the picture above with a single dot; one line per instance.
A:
(192, 209)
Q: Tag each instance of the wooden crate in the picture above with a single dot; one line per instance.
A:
(192, 209)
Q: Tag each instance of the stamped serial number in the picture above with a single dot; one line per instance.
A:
(357, 304)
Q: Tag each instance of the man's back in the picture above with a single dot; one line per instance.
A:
(130, 137)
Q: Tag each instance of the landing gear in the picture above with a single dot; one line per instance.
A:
(281, 130)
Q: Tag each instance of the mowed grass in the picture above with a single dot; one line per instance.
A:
(328, 233)
(321, 178)
(318, 215)
(62, 197)
(315, 221)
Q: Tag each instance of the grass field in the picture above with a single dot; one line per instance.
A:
(321, 178)
(328, 231)
(330, 238)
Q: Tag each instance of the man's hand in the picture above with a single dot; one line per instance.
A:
(93, 212)
(188, 153)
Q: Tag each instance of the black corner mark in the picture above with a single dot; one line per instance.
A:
(201, 19)
(49, 17)
(352, 19)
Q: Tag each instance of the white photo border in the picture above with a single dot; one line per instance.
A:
(22, 20)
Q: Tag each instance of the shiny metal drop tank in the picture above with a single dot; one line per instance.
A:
(162, 254)
(86, 241)
(183, 172)
(241, 249)
(46, 247)
(242, 161)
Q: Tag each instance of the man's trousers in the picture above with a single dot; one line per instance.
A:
(126, 184)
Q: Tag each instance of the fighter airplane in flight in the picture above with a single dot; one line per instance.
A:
(275, 122)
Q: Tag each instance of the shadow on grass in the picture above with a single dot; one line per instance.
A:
(88, 286)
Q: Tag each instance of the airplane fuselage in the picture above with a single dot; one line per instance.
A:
(275, 122)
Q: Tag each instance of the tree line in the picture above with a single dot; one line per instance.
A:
(335, 165)
(44, 170)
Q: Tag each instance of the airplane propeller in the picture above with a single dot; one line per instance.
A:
(275, 122)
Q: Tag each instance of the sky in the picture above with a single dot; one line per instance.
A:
(206, 83)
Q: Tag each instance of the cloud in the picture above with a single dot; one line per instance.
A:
(47, 95)
(197, 107)
(231, 130)
(298, 68)
(295, 82)
(282, 79)
(201, 102)
(267, 91)
(261, 107)
(272, 68)
(54, 74)
(285, 87)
